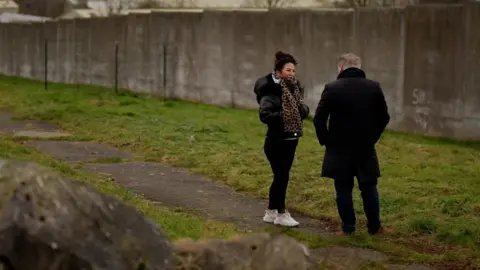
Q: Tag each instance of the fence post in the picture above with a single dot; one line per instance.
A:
(116, 67)
(164, 72)
(45, 47)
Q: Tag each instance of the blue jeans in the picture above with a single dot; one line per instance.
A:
(371, 204)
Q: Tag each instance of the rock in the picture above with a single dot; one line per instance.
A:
(50, 222)
(283, 253)
(244, 252)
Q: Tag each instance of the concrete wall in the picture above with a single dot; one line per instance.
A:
(434, 99)
(426, 57)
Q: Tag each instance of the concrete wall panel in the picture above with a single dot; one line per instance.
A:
(82, 47)
(3, 48)
(188, 72)
(250, 59)
(24, 51)
(38, 54)
(159, 48)
(141, 66)
(379, 36)
(469, 127)
(331, 34)
(102, 52)
(7, 45)
(53, 61)
(12, 48)
(18, 48)
(33, 61)
(434, 41)
(215, 59)
(63, 40)
(162, 49)
(66, 50)
(118, 36)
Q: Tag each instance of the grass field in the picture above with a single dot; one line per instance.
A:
(429, 190)
(175, 224)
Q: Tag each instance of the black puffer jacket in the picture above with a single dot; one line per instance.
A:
(269, 98)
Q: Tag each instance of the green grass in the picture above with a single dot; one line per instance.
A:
(429, 189)
(174, 223)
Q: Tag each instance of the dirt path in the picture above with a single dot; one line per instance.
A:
(176, 187)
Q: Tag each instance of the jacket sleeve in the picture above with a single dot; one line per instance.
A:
(304, 109)
(321, 116)
(383, 117)
(269, 113)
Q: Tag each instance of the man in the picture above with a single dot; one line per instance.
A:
(358, 116)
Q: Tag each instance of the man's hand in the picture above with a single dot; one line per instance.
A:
(383, 118)
(321, 117)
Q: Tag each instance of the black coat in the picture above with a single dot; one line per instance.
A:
(269, 98)
(358, 116)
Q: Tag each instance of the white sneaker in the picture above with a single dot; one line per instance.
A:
(270, 216)
(285, 220)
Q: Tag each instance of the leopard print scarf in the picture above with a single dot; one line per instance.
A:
(292, 98)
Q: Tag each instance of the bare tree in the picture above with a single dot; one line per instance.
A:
(117, 6)
(349, 3)
(43, 8)
(268, 3)
(5, 3)
(426, 2)
(147, 4)
(369, 3)
(83, 4)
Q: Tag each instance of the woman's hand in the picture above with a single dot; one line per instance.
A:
(304, 111)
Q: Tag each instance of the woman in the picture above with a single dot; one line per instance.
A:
(280, 98)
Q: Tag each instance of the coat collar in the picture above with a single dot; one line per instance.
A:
(275, 79)
(352, 73)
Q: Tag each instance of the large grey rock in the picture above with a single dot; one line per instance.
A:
(244, 252)
(50, 222)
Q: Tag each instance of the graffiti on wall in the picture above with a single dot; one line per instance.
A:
(421, 108)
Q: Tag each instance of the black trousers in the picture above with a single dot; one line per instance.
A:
(280, 153)
(371, 203)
